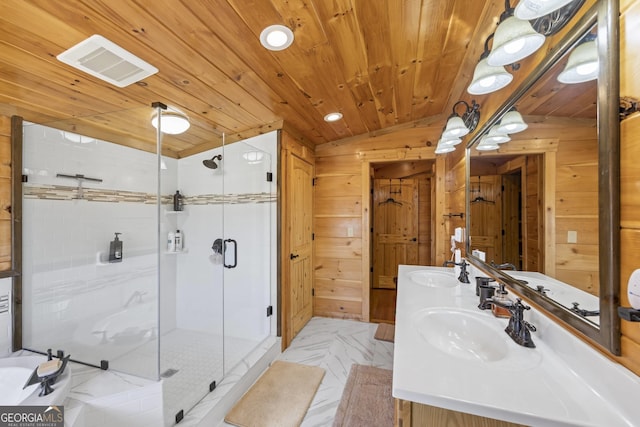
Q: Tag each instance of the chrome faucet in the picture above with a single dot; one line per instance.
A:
(136, 296)
(518, 328)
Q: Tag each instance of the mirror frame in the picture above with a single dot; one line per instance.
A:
(604, 14)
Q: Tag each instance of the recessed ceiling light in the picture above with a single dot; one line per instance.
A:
(332, 117)
(276, 37)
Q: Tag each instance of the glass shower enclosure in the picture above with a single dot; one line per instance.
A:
(185, 313)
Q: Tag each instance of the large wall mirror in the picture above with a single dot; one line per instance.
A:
(542, 208)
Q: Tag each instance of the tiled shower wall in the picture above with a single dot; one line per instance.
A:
(74, 288)
(249, 217)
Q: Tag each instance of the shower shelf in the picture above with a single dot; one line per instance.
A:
(184, 251)
(168, 212)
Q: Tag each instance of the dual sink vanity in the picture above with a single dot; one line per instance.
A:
(452, 359)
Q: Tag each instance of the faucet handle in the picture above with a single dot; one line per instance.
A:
(529, 326)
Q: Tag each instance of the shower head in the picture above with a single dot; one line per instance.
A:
(210, 163)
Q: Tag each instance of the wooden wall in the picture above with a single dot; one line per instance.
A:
(533, 233)
(576, 204)
(341, 262)
(629, 174)
(5, 193)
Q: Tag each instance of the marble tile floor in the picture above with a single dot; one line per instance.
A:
(335, 344)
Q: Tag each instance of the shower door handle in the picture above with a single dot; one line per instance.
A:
(235, 254)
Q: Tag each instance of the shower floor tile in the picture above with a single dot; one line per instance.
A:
(198, 359)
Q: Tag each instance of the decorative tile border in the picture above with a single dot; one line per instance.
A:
(62, 192)
(217, 199)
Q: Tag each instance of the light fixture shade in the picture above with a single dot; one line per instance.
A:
(449, 140)
(484, 145)
(514, 40)
(443, 149)
(496, 137)
(582, 65)
(532, 9)
(512, 122)
(455, 127)
(487, 79)
(173, 123)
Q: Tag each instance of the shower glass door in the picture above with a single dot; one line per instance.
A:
(191, 279)
(249, 201)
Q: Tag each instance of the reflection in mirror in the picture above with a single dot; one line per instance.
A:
(561, 220)
(534, 199)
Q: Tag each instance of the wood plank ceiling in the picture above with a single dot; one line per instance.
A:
(379, 62)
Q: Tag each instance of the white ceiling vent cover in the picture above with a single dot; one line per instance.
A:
(107, 61)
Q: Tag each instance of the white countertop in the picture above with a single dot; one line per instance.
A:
(561, 382)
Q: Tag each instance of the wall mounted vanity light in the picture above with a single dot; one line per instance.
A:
(449, 140)
(496, 137)
(443, 149)
(583, 64)
(488, 78)
(485, 145)
(514, 39)
(531, 9)
(460, 125)
(548, 16)
(512, 122)
(447, 144)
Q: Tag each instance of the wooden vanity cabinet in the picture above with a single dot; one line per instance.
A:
(411, 414)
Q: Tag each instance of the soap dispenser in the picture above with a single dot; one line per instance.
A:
(115, 249)
(178, 202)
(501, 295)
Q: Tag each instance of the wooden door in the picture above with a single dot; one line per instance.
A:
(486, 216)
(300, 197)
(395, 229)
(512, 219)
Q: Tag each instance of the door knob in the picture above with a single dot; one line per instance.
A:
(292, 256)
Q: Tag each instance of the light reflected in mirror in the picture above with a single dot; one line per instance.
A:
(534, 198)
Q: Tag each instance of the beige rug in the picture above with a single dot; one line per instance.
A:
(280, 397)
(366, 399)
(385, 332)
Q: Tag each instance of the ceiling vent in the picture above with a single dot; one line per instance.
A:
(107, 61)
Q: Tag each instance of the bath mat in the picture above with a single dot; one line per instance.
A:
(385, 332)
(366, 399)
(280, 397)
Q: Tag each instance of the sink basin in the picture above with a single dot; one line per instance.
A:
(433, 279)
(473, 336)
(463, 334)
